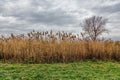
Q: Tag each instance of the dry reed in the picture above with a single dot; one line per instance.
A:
(49, 47)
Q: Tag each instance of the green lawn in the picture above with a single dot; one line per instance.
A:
(60, 71)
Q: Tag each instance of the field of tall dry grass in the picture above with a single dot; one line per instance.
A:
(49, 47)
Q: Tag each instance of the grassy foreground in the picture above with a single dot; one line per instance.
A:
(61, 71)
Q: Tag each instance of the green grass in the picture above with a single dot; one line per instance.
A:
(60, 71)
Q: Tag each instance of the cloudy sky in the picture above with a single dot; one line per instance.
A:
(21, 16)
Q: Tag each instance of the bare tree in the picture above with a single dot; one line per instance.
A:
(94, 27)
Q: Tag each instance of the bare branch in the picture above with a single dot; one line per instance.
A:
(94, 27)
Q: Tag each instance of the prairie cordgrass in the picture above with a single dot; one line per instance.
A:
(50, 47)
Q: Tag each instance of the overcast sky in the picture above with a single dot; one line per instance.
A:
(21, 16)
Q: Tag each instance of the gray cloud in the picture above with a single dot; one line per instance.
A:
(38, 12)
(109, 9)
(18, 16)
(56, 17)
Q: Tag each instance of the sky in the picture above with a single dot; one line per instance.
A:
(22, 16)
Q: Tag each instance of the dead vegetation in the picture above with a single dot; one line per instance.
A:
(49, 47)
